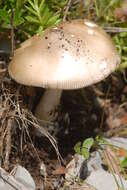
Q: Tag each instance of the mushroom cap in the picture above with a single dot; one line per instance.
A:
(72, 55)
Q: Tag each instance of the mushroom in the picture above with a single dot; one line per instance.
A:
(70, 56)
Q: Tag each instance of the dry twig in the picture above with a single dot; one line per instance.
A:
(8, 143)
(66, 10)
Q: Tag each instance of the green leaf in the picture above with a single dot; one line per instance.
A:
(36, 2)
(123, 34)
(32, 19)
(40, 14)
(18, 19)
(4, 15)
(32, 4)
(52, 20)
(77, 147)
(36, 5)
(31, 10)
(124, 163)
(87, 144)
(39, 30)
(5, 18)
(85, 153)
(58, 21)
(45, 16)
(19, 4)
(41, 5)
(101, 140)
(42, 8)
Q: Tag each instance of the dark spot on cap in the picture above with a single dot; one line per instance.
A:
(46, 37)
(62, 34)
(67, 40)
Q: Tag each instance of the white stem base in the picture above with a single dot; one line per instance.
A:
(49, 101)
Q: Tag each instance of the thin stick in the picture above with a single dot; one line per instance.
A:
(12, 33)
(8, 144)
(103, 112)
(66, 10)
(12, 30)
(115, 29)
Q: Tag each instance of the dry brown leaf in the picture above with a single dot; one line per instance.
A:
(123, 119)
(59, 171)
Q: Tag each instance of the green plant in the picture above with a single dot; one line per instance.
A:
(123, 166)
(6, 13)
(104, 9)
(29, 16)
(40, 16)
(121, 44)
(85, 147)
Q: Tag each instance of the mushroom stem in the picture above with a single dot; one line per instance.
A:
(48, 102)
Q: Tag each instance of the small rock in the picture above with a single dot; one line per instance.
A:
(77, 168)
(24, 177)
(43, 169)
(8, 182)
(80, 168)
(95, 162)
(102, 180)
